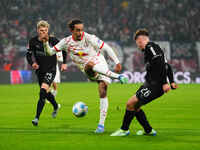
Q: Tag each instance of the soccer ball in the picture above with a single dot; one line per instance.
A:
(80, 109)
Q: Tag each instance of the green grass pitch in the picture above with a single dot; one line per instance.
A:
(175, 116)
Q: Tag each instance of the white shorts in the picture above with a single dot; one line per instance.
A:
(97, 60)
(57, 77)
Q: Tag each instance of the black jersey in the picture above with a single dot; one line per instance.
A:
(155, 64)
(44, 61)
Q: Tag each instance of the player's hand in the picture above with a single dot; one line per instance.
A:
(166, 88)
(118, 68)
(63, 67)
(174, 85)
(45, 38)
(35, 66)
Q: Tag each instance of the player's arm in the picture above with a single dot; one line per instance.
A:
(99, 44)
(64, 63)
(64, 55)
(29, 57)
(113, 56)
(60, 46)
(29, 54)
(161, 72)
(169, 73)
(110, 52)
(170, 76)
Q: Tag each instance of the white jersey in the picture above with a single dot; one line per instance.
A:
(81, 51)
(87, 49)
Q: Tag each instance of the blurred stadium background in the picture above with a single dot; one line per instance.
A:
(174, 24)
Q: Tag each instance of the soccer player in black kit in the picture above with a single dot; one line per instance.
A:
(155, 85)
(44, 66)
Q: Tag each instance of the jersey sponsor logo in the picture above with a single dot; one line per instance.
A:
(81, 54)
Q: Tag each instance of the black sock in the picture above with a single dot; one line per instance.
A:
(141, 118)
(128, 117)
(52, 100)
(41, 102)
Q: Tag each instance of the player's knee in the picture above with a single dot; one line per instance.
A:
(89, 65)
(130, 105)
(45, 86)
(103, 89)
(103, 93)
(89, 71)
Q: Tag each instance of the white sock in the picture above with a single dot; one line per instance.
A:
(54, 92)
(102, 69)
(103, 110)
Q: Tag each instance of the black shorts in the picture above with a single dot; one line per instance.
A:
(147, 92)
(45, 77)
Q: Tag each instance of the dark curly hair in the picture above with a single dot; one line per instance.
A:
(73, 22)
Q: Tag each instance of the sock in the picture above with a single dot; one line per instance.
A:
(141, 118)
(128, 117)
(103, 110)
(52, 100)
(54, 92)
(41, 102)
(100, 68)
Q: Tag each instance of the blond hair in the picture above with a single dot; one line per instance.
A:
(42, 23)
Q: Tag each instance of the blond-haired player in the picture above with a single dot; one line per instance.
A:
(44, 66)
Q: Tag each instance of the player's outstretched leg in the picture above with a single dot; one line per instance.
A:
(100, 68)
(123, 79)
(40, 106)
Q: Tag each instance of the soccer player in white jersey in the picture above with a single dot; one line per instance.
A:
(85, 51)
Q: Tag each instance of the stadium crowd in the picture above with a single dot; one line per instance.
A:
(168, 20)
